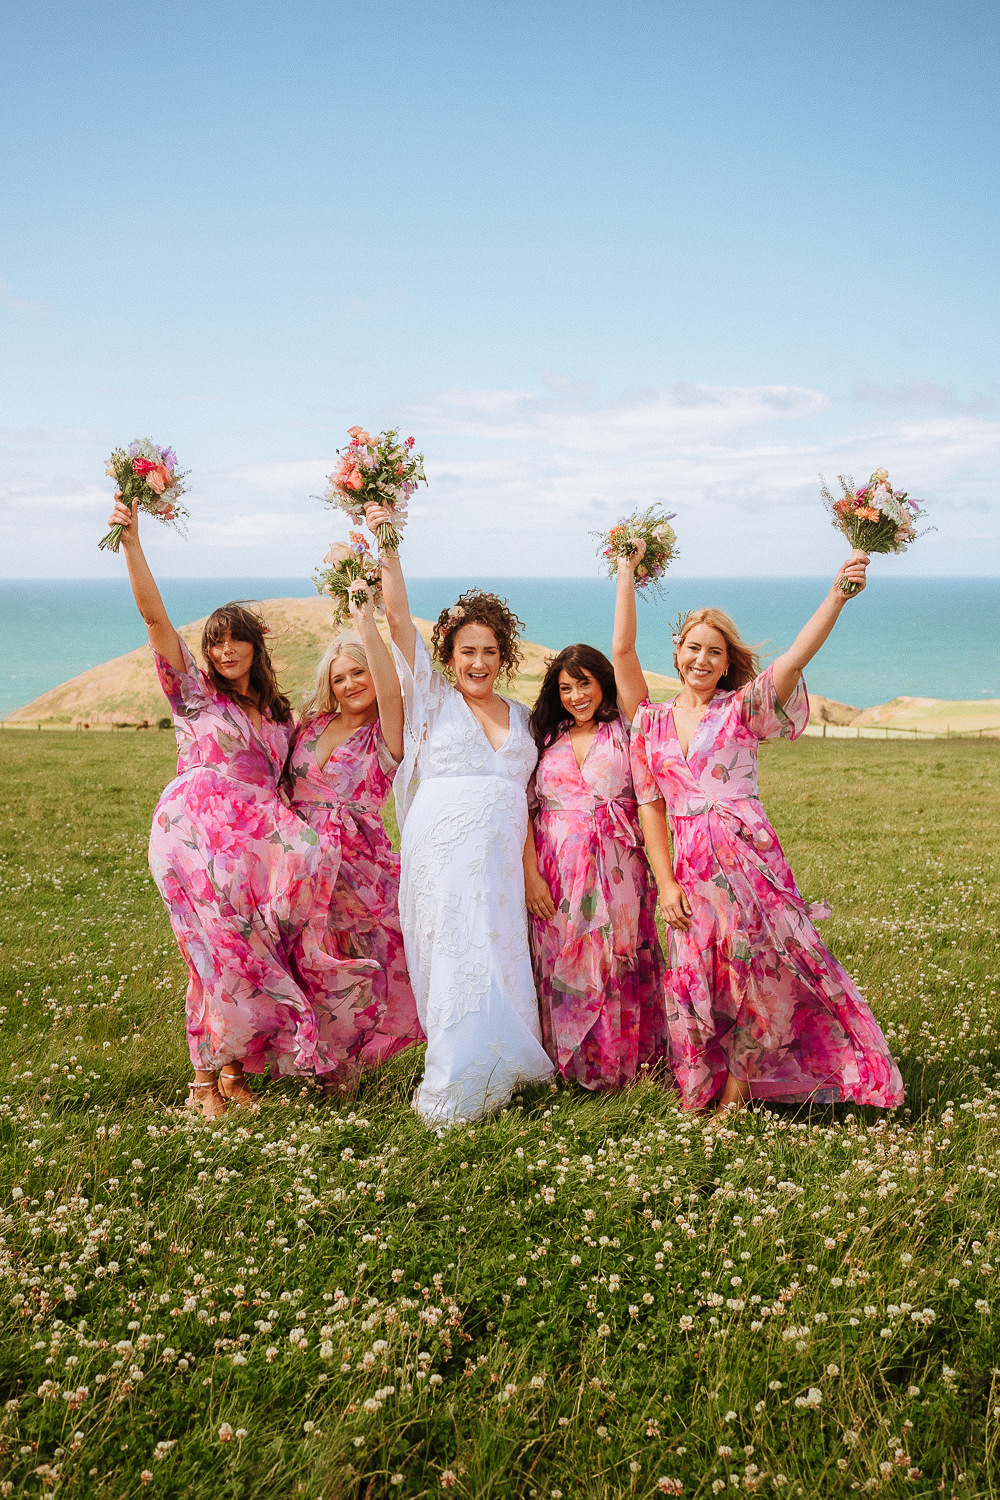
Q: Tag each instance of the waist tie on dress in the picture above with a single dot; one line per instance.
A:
(760, 840)
(618, 820)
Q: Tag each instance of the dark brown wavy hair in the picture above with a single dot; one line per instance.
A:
(240, 620)
(476, 608)
(744, 661)
(548, 717)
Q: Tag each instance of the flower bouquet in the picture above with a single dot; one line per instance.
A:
(651, 526)
(874, 519)
(150, 475)
(376, 471)
(350, 562)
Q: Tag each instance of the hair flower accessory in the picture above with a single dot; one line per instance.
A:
(876, 518)
(456, 613)
(376, 470)
(651, 526)
(149, 475)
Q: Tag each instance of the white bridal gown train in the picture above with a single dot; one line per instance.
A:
(463, 813)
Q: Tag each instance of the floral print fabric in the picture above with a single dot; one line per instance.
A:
(240, 874)
(752, 990)
(342, 802)
(598, 965)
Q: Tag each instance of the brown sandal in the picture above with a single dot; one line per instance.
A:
(194, 1103)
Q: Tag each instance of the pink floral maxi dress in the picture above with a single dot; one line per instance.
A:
(240, 874)
(342, 802)
(598, 964)
(752, 990)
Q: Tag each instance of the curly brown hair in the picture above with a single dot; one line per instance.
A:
(475, 607)
(240, 620)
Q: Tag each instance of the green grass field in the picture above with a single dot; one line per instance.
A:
(580, 1297)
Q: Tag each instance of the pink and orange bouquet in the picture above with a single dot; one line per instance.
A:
(876, 518)
(349, 562)
(150, 475)
(378, 470)
(651, 526)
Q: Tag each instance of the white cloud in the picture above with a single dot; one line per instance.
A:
(519, 480)
(10, 299)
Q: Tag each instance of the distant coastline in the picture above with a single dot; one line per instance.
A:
(919, 638)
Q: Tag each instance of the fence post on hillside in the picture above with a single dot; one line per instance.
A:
(824, 729)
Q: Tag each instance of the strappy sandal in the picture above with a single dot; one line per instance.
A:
(192, 1102)
(231, 1098)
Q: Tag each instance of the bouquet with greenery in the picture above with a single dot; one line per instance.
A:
(349, 563)
(651, 526)
(376, 471)
(149, 474)
(874, 519)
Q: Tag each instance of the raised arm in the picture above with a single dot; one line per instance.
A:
(383, 673)
(397, 605)
(162, 636)
(629, 679)
(788, 668)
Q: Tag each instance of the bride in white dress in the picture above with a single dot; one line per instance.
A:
(463, 813)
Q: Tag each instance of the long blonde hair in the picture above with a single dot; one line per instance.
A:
(321, 699)
(744, 661)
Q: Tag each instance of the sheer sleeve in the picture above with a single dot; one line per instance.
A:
(646, 788)
(765, 717)
(424, 691)
(188, 692)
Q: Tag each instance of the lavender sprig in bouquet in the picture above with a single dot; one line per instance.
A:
(876, 518)
(376, 470)
(349, 562)
(149, 474)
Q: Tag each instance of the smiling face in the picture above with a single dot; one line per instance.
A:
(351, 686)
(232, 659)
(702, 658)
(475, 660)
(581, 697)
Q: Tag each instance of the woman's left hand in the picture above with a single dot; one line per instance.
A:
(538, 897)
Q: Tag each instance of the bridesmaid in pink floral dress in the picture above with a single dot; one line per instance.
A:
(346, 751)
(598, 965)
(238, 871)
(757, 1006)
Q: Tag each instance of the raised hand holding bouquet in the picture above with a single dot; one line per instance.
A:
(377, 470)
(651, 526)
(350, 563)
(874, 519)
(149, 475)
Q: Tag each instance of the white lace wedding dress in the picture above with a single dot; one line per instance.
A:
(463, 814)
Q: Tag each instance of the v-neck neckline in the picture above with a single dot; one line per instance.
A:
(482, 731)
(593, 741)
(686, 755)
(315, 760)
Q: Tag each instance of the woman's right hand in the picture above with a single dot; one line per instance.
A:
(675, 907)
(538, 897)
(359, 601)
(127, 517)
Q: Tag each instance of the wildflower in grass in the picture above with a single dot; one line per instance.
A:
(668, 1486)
(448, 1479)
(225, 1433)
(146, 1477)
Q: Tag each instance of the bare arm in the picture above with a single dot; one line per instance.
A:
(537, 895)
(397, 605)
(674, 904)
(629, 679)
(387, 692)
(788, 668)
(162, 636)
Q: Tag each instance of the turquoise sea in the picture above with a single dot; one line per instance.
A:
(925, 637)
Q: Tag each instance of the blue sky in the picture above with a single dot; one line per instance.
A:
(590, 254)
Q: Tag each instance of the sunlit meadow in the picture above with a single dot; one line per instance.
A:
(579, 1297)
